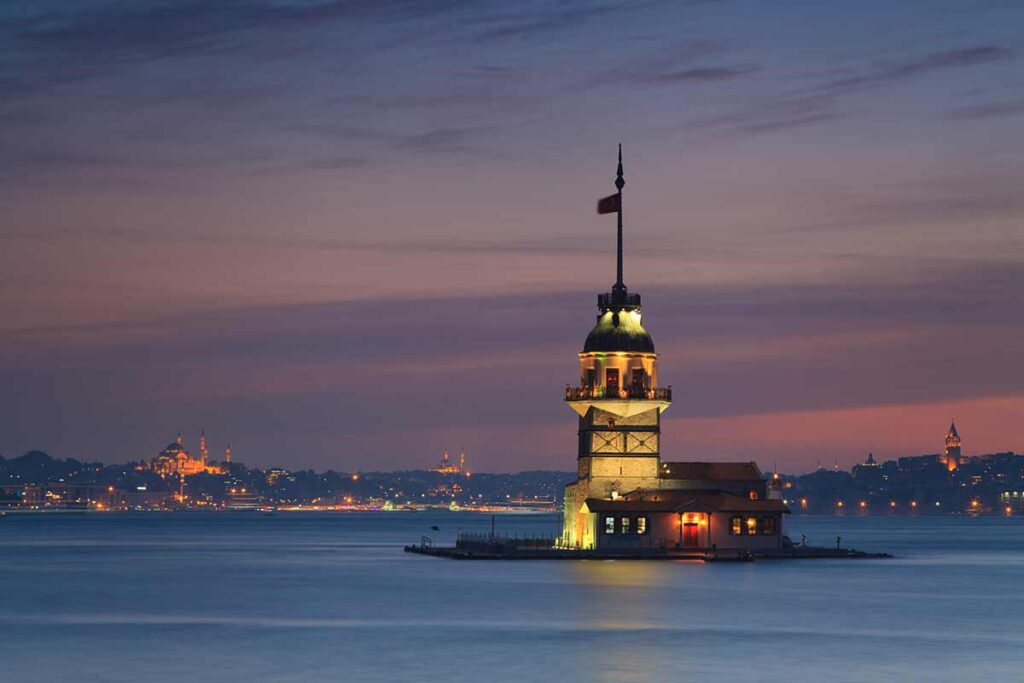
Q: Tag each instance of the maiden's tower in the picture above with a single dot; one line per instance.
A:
(625, 496)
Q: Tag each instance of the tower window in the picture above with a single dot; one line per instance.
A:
(637, 383)
(611, 382)
(590, 377)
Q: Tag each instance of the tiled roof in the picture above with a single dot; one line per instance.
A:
(712, 471)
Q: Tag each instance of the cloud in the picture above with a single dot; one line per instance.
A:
(883, 73)
(991, 110)
(819, 103)
(441, 141)
(533, 23)
(707, 74)
(393, 368)
(770, 115)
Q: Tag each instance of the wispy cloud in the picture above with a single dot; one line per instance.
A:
(990, 110)
(538, 22)
(821, 102)
(887, 72)
(706, 74)
(771, 115)
(751, 350)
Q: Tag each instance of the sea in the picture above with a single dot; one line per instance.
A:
(331, 596)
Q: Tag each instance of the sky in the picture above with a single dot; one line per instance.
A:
(351, 235)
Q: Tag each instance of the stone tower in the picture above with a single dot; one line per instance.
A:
(618, 400)
(952, 457)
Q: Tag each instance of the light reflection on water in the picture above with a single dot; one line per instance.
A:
(331, 597)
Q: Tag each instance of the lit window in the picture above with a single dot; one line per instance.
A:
(752, 494)
(609, 525)
(752, 526)
(641, 525)
(625, 525)
(737, 526)
(767, 526)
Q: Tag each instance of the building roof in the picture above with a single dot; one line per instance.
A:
(619, 330)
(698, 500)
(712, 471)
(952, 430)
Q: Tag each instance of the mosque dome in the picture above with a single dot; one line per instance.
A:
(619, 330)
(173, 448)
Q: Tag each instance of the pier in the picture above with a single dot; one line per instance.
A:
(483, 547)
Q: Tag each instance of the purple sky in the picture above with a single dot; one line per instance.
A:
(353, 234)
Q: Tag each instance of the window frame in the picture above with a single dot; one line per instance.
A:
(736, 525)
(609, 529)
(608, 384)
(751, 526)
(642, 528)
(637, 379)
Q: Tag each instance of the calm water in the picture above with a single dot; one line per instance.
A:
(332, 597)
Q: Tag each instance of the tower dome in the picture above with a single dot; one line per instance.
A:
(619, 330)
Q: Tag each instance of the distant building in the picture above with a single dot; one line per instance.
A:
(241, 498)
(175, 460)
(952, 457)
(869, 470)
(446, 466)
(274, 474)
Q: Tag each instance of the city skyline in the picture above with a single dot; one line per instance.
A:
(324, 231)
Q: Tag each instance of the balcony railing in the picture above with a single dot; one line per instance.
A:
(618, 300)
(623, 394)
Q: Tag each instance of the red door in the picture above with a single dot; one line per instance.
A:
(690, 535)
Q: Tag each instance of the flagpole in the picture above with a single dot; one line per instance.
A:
(619, 183)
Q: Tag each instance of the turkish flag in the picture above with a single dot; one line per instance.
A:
(609, 204)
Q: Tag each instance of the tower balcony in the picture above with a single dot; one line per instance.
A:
(585, 393)
(618, 299)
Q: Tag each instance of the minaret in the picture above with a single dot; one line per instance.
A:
(179, 439)
(227, 455)
(952, 457)
(618, 400)
(203, 453)
(462, 460)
